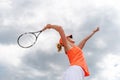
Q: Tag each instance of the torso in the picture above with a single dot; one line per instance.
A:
(76, 57)
(69, 46)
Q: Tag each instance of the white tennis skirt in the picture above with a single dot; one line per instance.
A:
(74, 73)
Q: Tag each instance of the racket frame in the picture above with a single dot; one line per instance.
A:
(33, 33)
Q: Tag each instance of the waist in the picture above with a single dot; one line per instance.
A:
(77, 68)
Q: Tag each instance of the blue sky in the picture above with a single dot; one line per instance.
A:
(77, 17)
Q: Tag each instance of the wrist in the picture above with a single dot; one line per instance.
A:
(94, 31)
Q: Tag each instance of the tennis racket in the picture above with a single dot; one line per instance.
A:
(27, 40)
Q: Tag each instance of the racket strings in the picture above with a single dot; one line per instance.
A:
(27, 40)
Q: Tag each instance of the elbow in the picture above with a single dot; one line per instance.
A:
(60, 28)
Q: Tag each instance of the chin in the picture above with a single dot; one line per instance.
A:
(73, 41)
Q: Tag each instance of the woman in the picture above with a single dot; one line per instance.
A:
(78, 68)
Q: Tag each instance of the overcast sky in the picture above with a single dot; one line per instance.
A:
(77, 17)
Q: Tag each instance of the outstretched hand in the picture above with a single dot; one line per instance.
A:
(97, 29)
(48, 26)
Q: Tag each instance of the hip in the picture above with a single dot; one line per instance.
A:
(74, 73)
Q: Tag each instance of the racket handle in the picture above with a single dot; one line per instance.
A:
(43, 29)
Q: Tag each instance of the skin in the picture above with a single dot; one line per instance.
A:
(67, 41)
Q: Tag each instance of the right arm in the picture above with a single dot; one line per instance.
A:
(83, 42)
(61, 32)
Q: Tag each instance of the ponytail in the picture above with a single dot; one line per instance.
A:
(59, 47)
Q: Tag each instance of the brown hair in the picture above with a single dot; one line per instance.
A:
(59, 47)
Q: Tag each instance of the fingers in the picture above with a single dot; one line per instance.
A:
(97, 29)
(48, 26)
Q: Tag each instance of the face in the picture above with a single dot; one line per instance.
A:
(70, 39)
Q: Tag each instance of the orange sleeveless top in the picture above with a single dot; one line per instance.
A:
(76, 57)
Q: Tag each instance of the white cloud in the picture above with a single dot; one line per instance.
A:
(5, 4)
(109, 67)
(11, 54)
(32, 73)
(100, 43)
(55, 67)
(26, 15)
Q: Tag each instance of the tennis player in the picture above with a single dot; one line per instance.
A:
(78, 68)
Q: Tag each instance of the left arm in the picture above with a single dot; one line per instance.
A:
(83, 42)
(61, 33)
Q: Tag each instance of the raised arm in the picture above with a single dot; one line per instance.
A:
(58, 29)
(83, 42)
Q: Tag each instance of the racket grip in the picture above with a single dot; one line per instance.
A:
(42, 29)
